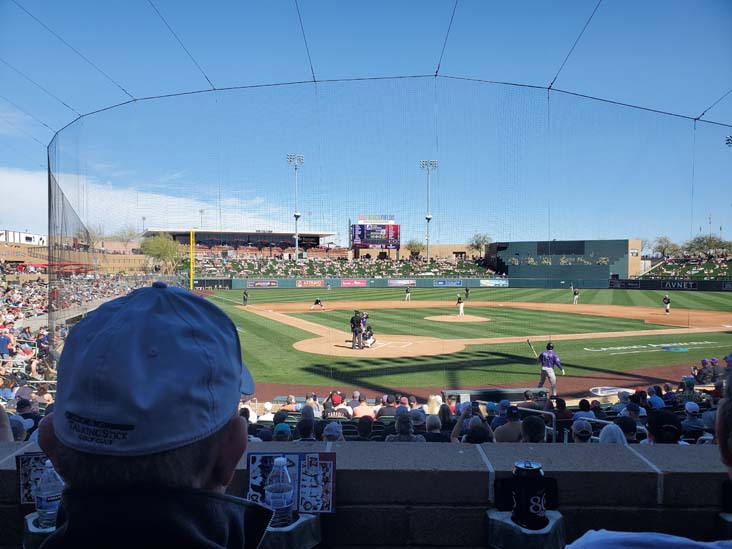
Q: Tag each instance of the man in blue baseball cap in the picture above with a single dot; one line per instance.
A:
(145, 431)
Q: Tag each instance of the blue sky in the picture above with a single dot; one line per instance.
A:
(513, 162)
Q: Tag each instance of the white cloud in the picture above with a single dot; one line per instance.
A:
(24, 200)
(25, 206)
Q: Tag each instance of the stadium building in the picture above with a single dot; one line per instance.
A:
(259, 239)
(569, 260)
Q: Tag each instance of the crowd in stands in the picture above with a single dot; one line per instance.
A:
(225, 267)
(692, 268)
(23, 300)
(654, 415)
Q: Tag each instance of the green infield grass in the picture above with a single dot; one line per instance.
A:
(503, 321)
(268, 351)
(710, 301)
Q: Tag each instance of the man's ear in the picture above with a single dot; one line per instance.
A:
(47, 439)
(231, 448)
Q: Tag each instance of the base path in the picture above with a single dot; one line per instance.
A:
(333, 342)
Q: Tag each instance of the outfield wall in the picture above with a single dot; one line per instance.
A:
(457, 283)
(673, 285)
(460, 283)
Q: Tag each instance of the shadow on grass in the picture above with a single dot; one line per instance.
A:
(449, 371)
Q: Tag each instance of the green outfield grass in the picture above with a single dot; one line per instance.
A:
(504, 321)
(267, 349)
(711, 301)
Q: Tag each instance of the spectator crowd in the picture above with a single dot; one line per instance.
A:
(655, 415)
(327, 267)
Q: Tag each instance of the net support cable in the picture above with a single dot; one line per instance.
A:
(404, 77)
(182, 45)
(579, 36)
(24, 132)
(447, 35)
(693, 180)
(36, 84)
(710, 107)
(305, 40)
(72, 48)
(25, 112)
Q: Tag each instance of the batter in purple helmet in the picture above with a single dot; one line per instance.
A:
(548, 360)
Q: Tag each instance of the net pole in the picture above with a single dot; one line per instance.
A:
(191, 264)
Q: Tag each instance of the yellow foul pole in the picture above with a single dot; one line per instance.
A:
(191, 259)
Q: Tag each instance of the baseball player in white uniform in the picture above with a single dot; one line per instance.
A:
(461, 306)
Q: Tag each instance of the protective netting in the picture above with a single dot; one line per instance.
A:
(517, 163)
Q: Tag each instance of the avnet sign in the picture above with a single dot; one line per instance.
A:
(680, 285)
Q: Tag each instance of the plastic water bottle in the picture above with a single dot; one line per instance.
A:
(279, 491)
(48, 496)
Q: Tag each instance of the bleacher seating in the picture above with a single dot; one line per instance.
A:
(692, 268)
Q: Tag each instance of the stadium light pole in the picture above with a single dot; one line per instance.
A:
(296, 160)
(428, 166)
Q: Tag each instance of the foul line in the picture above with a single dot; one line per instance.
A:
(661, 350)
(659, 473)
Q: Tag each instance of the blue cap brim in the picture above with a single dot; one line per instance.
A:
(247, 382)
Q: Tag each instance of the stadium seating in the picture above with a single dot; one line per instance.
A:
(692, 268)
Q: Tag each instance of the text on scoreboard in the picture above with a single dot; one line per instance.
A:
(368, 235)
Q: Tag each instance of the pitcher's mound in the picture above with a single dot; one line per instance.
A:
(456, 318)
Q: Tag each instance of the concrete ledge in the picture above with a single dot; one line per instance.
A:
(586, 473)
(435, 495)
(689, 472)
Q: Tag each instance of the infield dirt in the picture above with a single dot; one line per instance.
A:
(333, 342)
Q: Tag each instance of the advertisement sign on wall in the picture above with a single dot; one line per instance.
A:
(624, 284)
(262, 283)
(354, 283)
(494, 283)
(679, 285)
(309, 283)
(401, 283)
(447, 283)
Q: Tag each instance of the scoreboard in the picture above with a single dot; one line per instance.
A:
(375, 236)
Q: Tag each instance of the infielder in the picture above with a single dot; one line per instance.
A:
(548, 360)
(666, 304)
(460, 305)
(316, 303)
(407, 294)
(245, 298)
(467, 293)
(575, 297)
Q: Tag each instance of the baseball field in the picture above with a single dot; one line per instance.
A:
(612, 337)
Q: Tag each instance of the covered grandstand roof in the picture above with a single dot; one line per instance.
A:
(319, 234)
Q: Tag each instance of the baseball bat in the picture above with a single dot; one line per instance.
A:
(531, 345)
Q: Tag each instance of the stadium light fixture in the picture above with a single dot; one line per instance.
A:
(428, 166)
(296, 160)
(728, 140)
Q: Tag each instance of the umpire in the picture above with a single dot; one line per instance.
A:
(356, 331)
